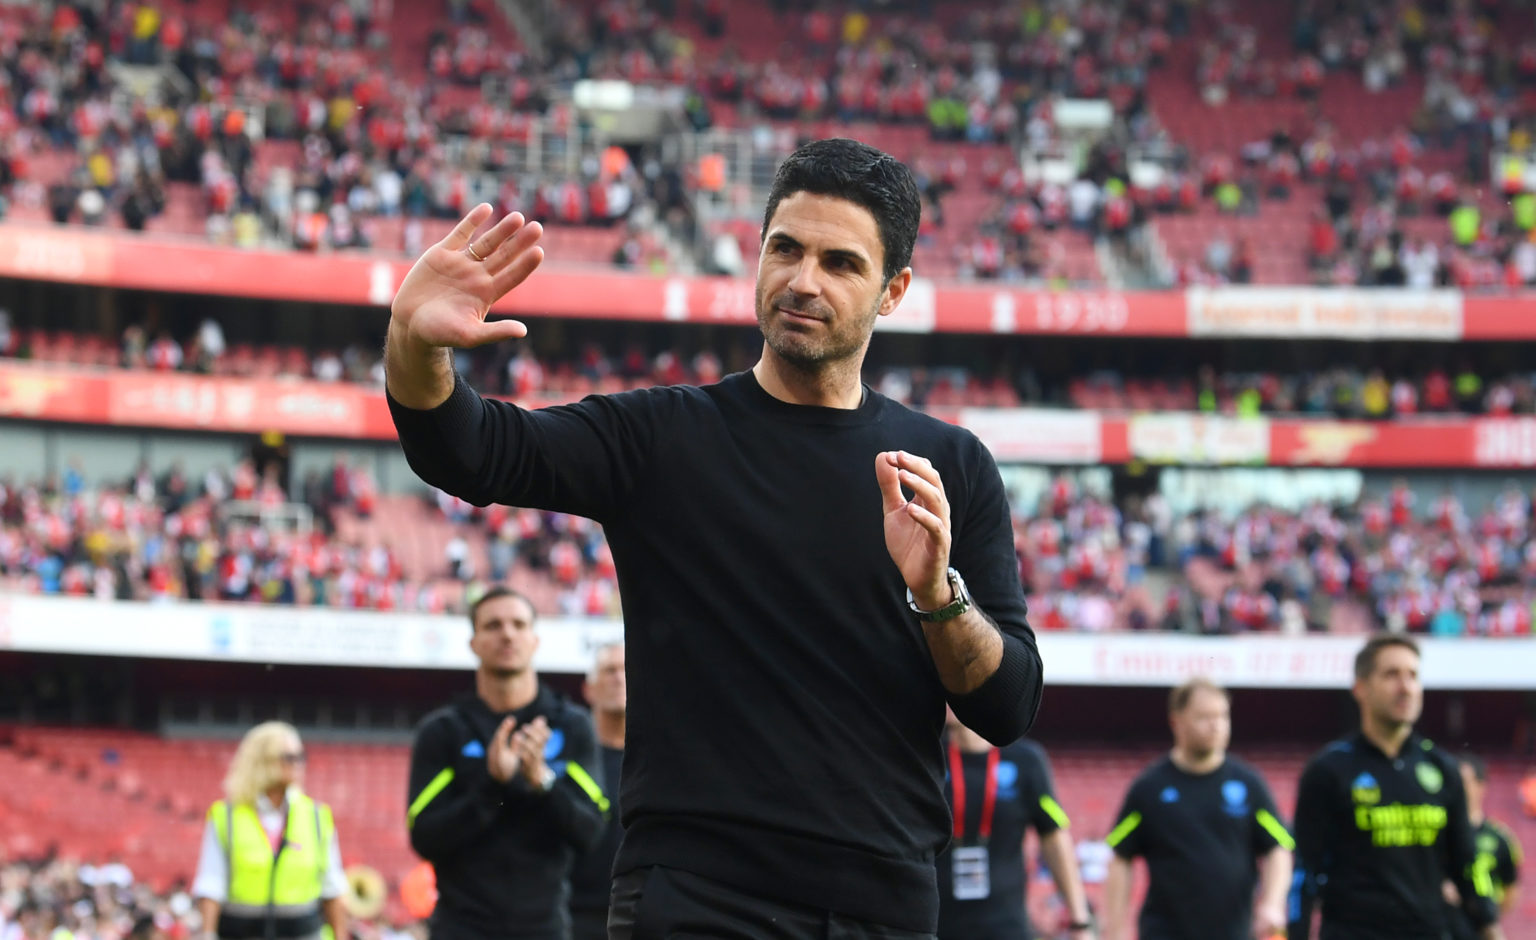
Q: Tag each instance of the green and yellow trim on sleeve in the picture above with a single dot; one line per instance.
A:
(588, 785)
(428, 794)
(1516, 856)
(1053, 809)
(1276, 830)
(1482, 876)
(1126, 827)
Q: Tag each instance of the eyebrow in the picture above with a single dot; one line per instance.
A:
(856, 258)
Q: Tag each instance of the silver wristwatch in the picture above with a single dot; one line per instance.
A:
(547, 780)
(950, 611)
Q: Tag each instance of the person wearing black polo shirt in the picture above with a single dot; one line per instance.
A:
(592, 878)
(1498, 851)
(995, 794)
(504, 789)
(1207, 826)
(1382, 822)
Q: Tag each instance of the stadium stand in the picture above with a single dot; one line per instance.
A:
(147, 795)
(1274, 144)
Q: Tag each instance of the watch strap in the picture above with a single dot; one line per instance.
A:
(957, 606)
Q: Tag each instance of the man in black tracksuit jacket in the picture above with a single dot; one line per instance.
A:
(504, 789)
(1381, 820)
(809, 570)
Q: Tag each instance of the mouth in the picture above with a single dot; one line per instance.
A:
(797, 315)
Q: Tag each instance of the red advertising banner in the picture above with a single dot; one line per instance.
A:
(1015, 435)
(1499, 316)
(87, 256)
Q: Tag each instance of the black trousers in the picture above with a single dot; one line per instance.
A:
(668, 904)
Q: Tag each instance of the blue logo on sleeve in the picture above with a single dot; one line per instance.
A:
(1169, 795)
(1234, 794)
(473, 749)
(1007, 780)
(555, 744)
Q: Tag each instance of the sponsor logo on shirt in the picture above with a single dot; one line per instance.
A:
(1365, 789)
(1169, 795)
(1396, 824)
(473, 749)
(555, 744)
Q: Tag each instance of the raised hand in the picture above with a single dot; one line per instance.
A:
(444, 299)
(916, 531)
(502, 758)
(529, 742)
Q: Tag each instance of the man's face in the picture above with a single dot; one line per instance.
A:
(504, 639)
(819, 280)
(1204, 727)
(1391, 695)
(606, 690)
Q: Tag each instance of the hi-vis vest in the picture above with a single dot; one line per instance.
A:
(273, 897)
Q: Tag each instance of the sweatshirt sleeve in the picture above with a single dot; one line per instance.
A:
(1471, 871)
(1316, 835)
(581, 458)
(578, 800)
(445, 810)
(1003, 707)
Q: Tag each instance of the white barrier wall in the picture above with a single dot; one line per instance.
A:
(320, 636)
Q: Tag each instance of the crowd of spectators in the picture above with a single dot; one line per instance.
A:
(48, 897)
(1379, 563)
(1088, 562)
(1085, 562)
(372, 141)
(521, 372)
(367, 141)
(226, 537)
(1419, 206)
(54, 898)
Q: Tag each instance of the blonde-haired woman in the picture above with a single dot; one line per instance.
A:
(270, 867)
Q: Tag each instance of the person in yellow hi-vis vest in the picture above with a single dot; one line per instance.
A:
(270, 867)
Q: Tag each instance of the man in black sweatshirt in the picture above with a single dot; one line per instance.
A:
(809, 570)
(504, 789)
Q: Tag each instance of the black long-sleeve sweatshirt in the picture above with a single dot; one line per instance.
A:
(502, 852)
(784, 708)
(1377, 836)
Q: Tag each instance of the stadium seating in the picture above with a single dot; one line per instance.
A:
(114, 794)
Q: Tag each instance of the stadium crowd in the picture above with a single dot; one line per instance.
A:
(365, 139)
(1342, 390)
(1088, 562)
(46, 897)
(1419, 206)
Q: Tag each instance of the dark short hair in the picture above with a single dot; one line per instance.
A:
(1179, 698)
(863, 175)
(1475, 764)
(1365, 660)
(491, 594)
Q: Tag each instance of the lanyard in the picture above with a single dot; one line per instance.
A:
(279, 839)
(988, 799)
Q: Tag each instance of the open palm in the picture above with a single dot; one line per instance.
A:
(447, 294)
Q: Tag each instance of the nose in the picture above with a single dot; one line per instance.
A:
(807, 281)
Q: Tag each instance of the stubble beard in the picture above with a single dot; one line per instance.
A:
(808, 354)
